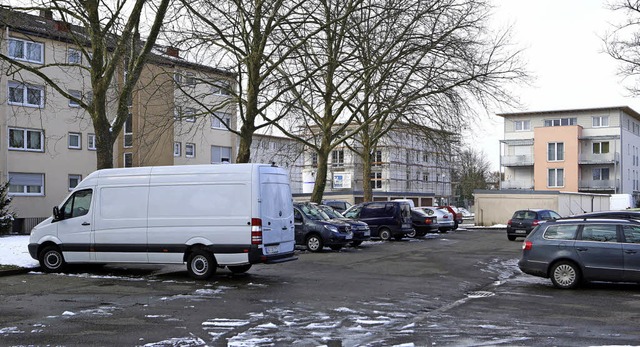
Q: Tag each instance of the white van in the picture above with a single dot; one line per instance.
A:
(208, 216)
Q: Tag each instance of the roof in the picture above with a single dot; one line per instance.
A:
(44, 26)
(625, 109)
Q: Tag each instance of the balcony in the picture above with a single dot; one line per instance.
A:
(598, 159)
(517, 160)
(597, 185)
(516, 184)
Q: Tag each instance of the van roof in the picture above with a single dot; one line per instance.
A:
(175, 169)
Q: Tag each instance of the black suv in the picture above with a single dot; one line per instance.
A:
(523, 221)
(314, 229)
(359, 229)
(386, 219)
(588, 249)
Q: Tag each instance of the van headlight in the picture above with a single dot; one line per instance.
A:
(331, 228)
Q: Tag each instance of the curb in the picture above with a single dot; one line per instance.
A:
(20, 271)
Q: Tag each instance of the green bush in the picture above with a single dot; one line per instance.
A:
(6, 215)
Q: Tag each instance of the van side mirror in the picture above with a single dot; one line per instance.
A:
(56, 214)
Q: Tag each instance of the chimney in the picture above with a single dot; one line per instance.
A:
(62, 26)
(46, 14)
(173, 52)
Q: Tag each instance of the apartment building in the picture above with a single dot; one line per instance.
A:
(283, 152)
(594, 150)
(48, 142)
(405, 165)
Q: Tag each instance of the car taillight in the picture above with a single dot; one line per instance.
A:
(256, 231)
(509, 222)
(428, 221)
(527, 245)
(535, 222)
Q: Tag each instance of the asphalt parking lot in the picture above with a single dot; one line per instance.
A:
(456, 289)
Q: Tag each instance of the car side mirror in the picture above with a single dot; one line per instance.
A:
(56, 214)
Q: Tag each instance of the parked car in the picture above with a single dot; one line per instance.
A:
(622, 214)
(422, 223)
(456, 214)
(360, 230)
(444, 218)
(338, 205)
(573, 250)
(465, 213)
(523, 221)
(386, 219)
(315, 230)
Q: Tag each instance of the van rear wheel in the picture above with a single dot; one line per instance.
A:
(239, 269)
(51, 259)
(201, 264)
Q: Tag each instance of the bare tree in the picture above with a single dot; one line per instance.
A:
(108, 34)
(473, 170)
(245, 37)
(622, 42)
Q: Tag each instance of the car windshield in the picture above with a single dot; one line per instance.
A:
(313, 212)
(330, 212)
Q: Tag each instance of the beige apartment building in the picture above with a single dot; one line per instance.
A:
(48, 142)
(593, 150)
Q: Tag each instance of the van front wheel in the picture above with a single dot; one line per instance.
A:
(201, 264)
(51, 259)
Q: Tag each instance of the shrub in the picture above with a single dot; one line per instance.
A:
(6, 215)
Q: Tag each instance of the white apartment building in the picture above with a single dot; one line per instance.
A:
(281, 151)
(48, 142)
(405, 165)
(595, 150)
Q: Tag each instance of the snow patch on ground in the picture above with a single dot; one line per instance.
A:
(14, 251)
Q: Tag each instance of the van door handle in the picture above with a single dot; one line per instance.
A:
(628, 251)
(580, 249)
(86, 223)
(266, 229)
(285, 228)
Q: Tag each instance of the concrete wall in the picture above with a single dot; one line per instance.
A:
(497, 206)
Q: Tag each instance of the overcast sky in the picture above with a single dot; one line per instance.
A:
(564, 51)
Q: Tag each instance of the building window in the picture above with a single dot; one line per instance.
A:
(74, 180)
(408, 180)
(26, 184)
(220, 154)
(74, 56)
(189, 114)
(190, 79)
(555, 178)
(376, 160)
(221, 88)
(26, 95)
(177, 149)
(76, 94)
(601, 174)
(337, 157)
(600, 147)
(522, 125)
(555, 151)
(425, 177)
(425, 157)
(91, 142)
(128, 160)
(376, 180)
(560, 122)
(220, 120)
(600, 121)
(26, 140)
(177, 77)
(128, 131)
(26, 50)
(75, 141)
(314, 159)
(190, 150)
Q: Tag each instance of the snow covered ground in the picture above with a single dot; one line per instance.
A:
(14, 251)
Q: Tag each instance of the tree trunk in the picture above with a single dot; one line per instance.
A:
(366, 175)
(244, 149)
(321, 176)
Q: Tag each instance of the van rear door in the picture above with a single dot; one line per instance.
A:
(276, 211)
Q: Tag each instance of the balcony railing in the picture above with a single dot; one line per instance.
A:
(604, 158)
(597, 184)
(517, 160)
(517, 184)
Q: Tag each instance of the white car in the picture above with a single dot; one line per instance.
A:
(444, 218)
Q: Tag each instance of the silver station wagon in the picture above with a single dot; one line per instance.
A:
(575, 250)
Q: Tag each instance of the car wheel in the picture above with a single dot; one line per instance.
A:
(314, 243)
(356, 243)
(201, 264)
(239, 269)
(385, 234)
(511, 237)
(565, 275)
(336, 247)
(455, 226)
(413, 233)
(51, 259)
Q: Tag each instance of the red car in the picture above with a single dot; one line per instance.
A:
(457, 215)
